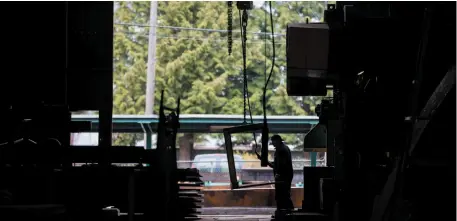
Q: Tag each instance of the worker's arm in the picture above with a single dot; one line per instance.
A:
(270, 164)
(280, 163)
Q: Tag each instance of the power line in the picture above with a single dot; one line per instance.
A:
(147, 35)
(252, 41)
(196, 29)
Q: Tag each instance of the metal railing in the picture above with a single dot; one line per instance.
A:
(297, 164)
(196, 123)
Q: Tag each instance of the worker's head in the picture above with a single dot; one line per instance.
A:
(276, 140)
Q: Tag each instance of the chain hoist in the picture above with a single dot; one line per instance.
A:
(241, 6)
(244, 24)
(229, 26)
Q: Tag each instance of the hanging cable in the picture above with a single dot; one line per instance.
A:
(272, 66)
(243, 48)
(265, 44)
(243, 24)
(265, 71)
(264, 98)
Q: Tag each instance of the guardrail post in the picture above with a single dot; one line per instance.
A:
(313, 156)
(148, 140)
(148, 135)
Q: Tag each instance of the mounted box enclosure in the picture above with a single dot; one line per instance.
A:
(307, 59)
(245, 5)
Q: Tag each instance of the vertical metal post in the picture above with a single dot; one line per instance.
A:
(264, 150)
(105, 131)
(325, 159)
(334, 128)
(106, 87)
(148, 140)
(96, 64)
(231, 160)
(313, 156)
(131, 196)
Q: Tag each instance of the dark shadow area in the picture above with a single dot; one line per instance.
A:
(362, 94)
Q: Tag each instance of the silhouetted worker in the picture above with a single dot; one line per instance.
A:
(283, 172)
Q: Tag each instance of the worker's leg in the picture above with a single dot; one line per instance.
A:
(279, 196)
(289, 203)
(283, 200)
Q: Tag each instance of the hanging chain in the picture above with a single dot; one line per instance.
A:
(244, 24)
(229, 26)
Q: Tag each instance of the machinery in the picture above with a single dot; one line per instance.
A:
(376, 57)
(388, 131)
(391, 67)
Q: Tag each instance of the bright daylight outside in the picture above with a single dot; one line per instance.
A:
(181, 48)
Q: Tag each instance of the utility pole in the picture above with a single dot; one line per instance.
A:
(151, 72)
(150, 79)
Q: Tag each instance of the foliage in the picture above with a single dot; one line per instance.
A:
(193, 64)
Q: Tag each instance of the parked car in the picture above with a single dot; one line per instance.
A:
(214, 167)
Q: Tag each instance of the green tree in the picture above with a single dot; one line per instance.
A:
(130, 63)
(192, 63)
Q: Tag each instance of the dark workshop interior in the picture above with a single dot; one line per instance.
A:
(137, 111)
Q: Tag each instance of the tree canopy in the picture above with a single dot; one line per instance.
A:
(192, 60)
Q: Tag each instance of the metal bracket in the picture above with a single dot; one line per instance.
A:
(229, 148)
(148, 131)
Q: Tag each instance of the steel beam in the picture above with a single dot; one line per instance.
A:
(313, 156)
(244, 128)
(433, 103)
(197, 123)
(228, 146)
(231, 160)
